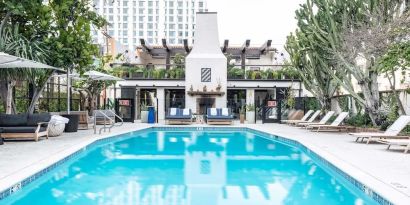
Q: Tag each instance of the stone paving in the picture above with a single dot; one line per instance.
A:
(385, 171)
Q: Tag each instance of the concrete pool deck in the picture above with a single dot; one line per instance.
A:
(386, 172)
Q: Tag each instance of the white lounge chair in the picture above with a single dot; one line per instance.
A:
(311, 119)
(391, 132)
(335, 126)
(397, 142)
(304, 118)
(321, 122)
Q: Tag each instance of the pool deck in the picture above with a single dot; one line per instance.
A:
(385, 171)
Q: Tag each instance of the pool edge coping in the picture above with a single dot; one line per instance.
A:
(15, 181)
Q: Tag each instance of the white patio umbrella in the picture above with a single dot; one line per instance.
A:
(10, 61)
(95, 75)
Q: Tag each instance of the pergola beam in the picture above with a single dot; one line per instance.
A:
(265, 46)
(186, 46)
(244, 47)
(168, 57)
(226, 44)
(145, 45)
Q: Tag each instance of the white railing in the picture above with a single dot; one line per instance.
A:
(103, 113)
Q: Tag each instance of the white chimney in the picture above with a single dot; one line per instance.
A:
(206, 65)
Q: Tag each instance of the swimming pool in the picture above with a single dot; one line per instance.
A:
(192, 166)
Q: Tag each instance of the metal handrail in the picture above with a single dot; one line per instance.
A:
(102, 112)
(115, 114)
(95, 121)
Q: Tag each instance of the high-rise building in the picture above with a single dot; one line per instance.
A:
(152, 20)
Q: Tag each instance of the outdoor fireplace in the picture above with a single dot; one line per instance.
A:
(203, 103)
(206, 67)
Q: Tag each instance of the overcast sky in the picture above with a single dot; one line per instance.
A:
(258, 20)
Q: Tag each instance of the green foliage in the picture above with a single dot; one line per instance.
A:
(144, 106)
(359, 120)
(312, 104)
(236, 73)
(250, 107)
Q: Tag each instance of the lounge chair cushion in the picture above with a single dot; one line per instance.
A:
(13, 120)
(225, 112)
(220, 117)
(22, 129)
(213, 111)
(173, 111)
(186, 112)
(34, 119)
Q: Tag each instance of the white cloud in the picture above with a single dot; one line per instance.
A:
(258, 20)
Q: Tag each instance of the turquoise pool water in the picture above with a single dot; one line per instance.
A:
(190, 168)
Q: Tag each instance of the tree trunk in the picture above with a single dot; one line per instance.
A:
(335, 106)
(9, 98)
(392, 82)
(353, 108)
(36, 95)
(372, 102)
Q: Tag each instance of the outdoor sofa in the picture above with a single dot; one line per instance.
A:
(177, 116)
(219, 116)
(24, 126)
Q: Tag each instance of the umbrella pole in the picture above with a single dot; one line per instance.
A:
(68, 90)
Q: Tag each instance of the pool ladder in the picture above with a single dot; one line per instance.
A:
(111, 121)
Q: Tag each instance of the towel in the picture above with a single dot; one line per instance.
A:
(185, 111)
(57, 119)
(213, 111)
(173, 111)
(225, 112)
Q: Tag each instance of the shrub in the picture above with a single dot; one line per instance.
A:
(359, 120)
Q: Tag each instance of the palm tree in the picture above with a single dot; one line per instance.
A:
(14, 43)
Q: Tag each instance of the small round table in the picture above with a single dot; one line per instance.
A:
(199, 118)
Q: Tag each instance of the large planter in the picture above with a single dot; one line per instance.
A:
(250, 117)
(72, 125)
(144, 116)
(242, 118)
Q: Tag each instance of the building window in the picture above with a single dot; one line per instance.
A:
(205, 74)
(125, 25)
(111, 18)
(171, 11)
(150, 40)
(141, 26)
(125, 10)
(150, 3)
(150, 11)
(150, 26)
(125, 3)
(125, 34)
(111, 10)
(179, 11)
(141, 3)
(150, 18)
(125, 40)
(141, 33)
(179, 19)
(125, 18)
(201, 4)
(171, 19)
(180, 26)
(141, 11)
(180, 4)
(150, 34)
(171, 26)
(141, 18)
(171, 4)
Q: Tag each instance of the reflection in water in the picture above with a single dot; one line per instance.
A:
(190, 168)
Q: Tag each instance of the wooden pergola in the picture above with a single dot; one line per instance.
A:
(166, 51)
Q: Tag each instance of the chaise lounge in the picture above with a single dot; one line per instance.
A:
(219, 116)
(177, 116)
(24, 126)
(392, 132)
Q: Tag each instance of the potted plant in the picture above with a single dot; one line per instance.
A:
(144, 112)
(250, 113)
(242, 114)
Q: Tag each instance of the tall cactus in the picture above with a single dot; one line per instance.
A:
(321, 39)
